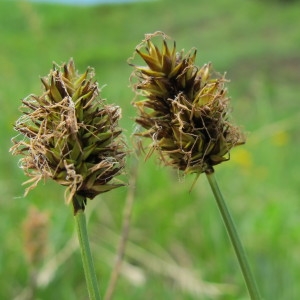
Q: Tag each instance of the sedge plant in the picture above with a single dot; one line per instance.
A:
(185, 115)
(70, 135)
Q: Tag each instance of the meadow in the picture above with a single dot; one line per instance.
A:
(178, 247)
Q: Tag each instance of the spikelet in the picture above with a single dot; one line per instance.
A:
(185, 110)
(70, 135)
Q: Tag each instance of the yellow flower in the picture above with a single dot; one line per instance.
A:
(243, 157)
(280, 138)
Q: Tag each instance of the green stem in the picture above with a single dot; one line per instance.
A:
(88, 265)
(237, 245)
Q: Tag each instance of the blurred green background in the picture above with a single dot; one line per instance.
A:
(178, 247)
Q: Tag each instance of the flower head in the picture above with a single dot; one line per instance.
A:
(185, 110)
(70, 135)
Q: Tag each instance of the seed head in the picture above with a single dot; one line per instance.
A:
(185, 110)
(70, 135)
(35, 230)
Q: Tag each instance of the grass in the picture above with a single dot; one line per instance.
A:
(173, 232)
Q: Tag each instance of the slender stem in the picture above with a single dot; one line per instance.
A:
(88, 265)
(124, 235)
(237, 245)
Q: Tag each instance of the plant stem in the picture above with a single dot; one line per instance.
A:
(125, 232)
(231, 229)
(88, 265)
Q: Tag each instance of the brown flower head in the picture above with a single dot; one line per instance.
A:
(185, 110)
(70, 135)
(35, 230)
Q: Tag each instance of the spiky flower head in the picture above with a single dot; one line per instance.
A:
(70, 135)
(185, 110)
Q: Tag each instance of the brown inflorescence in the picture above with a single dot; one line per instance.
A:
(185, 110)
(70, 135)
(35, 230)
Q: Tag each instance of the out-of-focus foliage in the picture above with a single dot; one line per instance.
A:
(178, 247)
